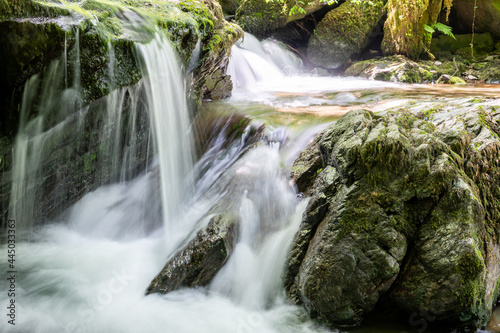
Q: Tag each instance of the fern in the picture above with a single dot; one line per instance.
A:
(443, 28)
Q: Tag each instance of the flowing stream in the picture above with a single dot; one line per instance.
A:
(87, 271)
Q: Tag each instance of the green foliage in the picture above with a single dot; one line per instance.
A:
(443, 28)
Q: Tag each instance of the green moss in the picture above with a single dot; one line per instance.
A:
(470, 265)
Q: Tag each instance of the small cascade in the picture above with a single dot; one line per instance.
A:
(253, 62)
(68, 148)
(269, 218)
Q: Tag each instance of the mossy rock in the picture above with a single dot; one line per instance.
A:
(381, 182)
(262, 17)
(198, 262)
(344, 32)
(447, 79)
(392, 69)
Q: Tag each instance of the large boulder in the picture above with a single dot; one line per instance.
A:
(262, 17)
(404, 208)
(344, 32)
(487, 16)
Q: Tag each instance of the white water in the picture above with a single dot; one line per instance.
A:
(264, 71)
(166, 98)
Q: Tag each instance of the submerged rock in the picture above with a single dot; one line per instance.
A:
(345, 31)
(198, 262)
(404, 210)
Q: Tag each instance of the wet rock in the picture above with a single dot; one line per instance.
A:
(198, 262)
(344, 32)
(403, 210)
(447, 79)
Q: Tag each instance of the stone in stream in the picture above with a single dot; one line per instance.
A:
(197, 263)
(403, 214)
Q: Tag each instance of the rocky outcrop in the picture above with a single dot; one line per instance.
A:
(404, 208)
(344, 32)
(261, 17)
(198, 262)
(487, 14)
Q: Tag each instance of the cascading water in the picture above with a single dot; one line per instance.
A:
(268, 73)
(88, 272)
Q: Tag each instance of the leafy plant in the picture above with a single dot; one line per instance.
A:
(443, 28)
(430, 30)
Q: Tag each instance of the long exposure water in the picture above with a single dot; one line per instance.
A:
(88, 270)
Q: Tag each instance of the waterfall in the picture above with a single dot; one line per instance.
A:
(166, 98)
(140, 198)
(267, 72)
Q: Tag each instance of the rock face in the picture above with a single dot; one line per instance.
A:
(261, 17)
(201, 259)
(487, 16)
(404, 205)
(404, 28)
(345, 31)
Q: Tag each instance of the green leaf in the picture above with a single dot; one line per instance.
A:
(429, 29)
(444, 29)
